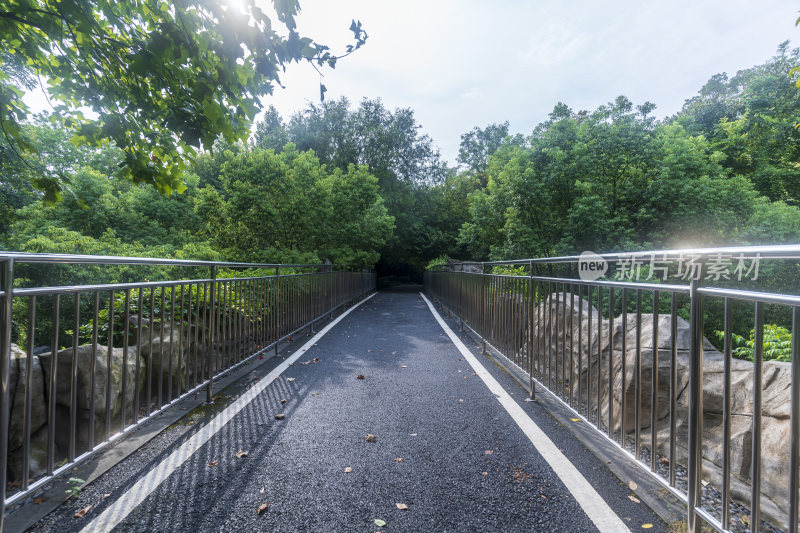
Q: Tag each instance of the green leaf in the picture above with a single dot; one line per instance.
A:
(379, 522)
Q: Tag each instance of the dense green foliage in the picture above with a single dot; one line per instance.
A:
(163, 78)
(361, 185)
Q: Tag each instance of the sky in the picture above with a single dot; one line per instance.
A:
(461, 64)
(467, 63)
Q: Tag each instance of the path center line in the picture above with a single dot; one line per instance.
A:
(140, 490)
(592, 503)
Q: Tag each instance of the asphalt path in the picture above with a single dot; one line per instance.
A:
(445, 448)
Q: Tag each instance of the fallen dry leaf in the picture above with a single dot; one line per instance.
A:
(289, 379)
(413, 434)
(647, 526)
(39, 500)
(280, 416)
(575, 419)
(348, 470)
(632, 485)
(461, 400)
(665, 460)
(488, 452)
(484, 473)
(261, 508)
(261, 491)
(213, 463)
(371, 438)
(315, 360)
(404, 366)
(360, 376)
(283, 401)
(241, 454)
(704, 482)
(402, 506)
(394, 353)
(633, 498)
(82, 512)
(305, 362)
(398, 459)
(106, 495)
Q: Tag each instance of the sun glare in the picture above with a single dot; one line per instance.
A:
(238, 5)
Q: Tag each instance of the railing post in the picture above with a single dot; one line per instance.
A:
(532, 307)
(277, 308)
(695, 459)
(211, 331)
(485, 304)
(5, 371)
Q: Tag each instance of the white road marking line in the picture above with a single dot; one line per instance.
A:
(592, 503)
(127, 502)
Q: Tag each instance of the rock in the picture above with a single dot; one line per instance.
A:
(85, 356)
(776, 392)
(17, 377)
(164, 352)
(38, 457)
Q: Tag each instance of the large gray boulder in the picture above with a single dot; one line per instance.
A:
(38, 457)
(86, 354)
(165, 350)
(17, 392)
(776, 388)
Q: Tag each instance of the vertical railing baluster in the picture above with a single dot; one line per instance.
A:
(695, 407)
(673, 389)
(5, 374)
(637, 380)
(73, 381)
(580, 348)
(51, 390)
(210, 384)
(654, 388)
(26, 431)
(589, 341)
(624, 370)
(726, 416)
(531, 339)
(755, 459)
(109, 361)
(137, 390)
(93, 368)
(794, 446)
(610, 362)
(125, 342)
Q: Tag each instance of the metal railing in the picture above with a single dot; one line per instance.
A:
(629, 357)
(83, 365)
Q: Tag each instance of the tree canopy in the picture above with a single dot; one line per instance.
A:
(161, 79)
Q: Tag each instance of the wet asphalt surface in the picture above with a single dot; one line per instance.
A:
(465, 466)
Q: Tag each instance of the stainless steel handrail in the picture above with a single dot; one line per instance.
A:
(25, 257)
(526, 318)
(784, 251)
(221, 324)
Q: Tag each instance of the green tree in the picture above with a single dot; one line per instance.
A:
(606, 180)
(389, 142)
(163, 78)
(287, 207)
(751, 118)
